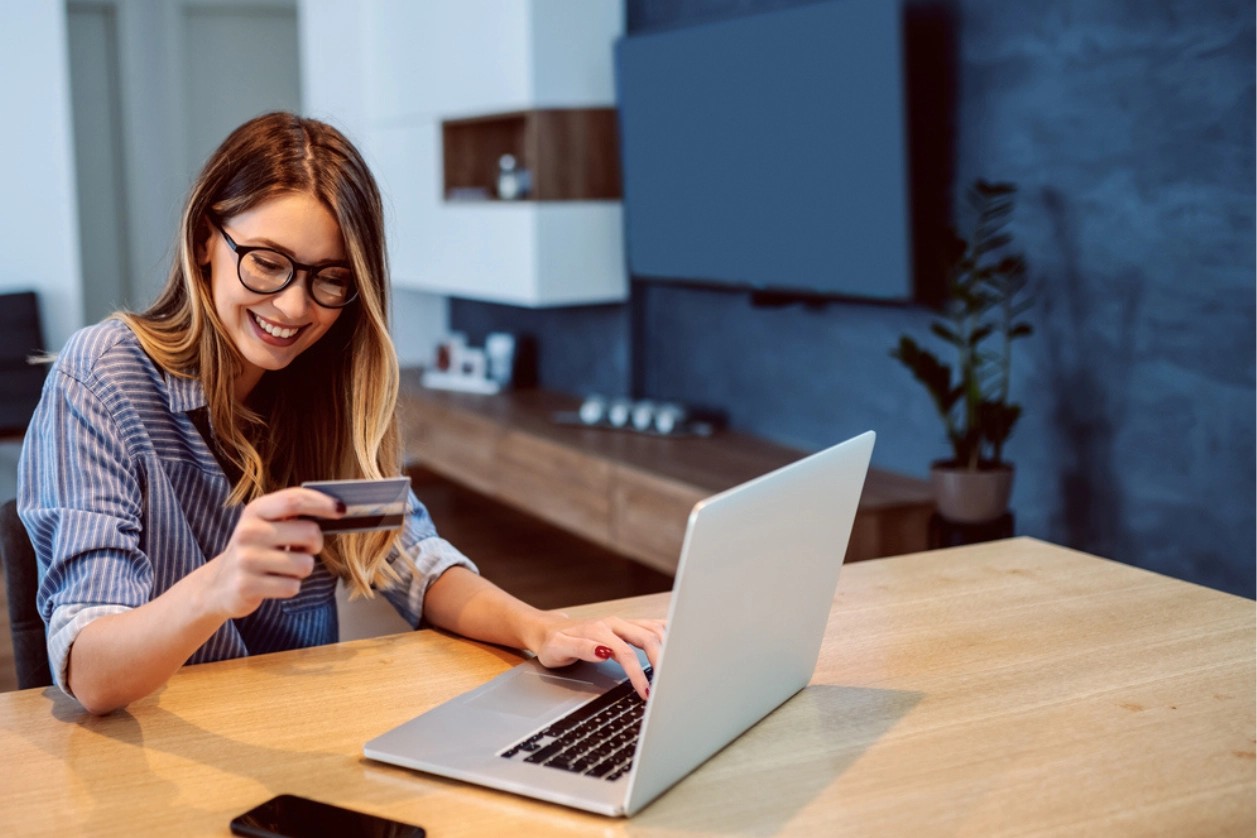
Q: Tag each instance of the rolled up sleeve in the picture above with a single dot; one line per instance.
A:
(81, 499)
(419, 560)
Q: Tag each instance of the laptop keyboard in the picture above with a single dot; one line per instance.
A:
(597, 739)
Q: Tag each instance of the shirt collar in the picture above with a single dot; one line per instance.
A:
(184, 394)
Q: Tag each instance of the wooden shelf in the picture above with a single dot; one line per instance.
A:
(572, 154)
(630, 493)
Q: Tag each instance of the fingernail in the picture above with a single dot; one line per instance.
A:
(340, 506)
(603, 652)
(648, 692)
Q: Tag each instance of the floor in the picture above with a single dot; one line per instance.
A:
(536, 562)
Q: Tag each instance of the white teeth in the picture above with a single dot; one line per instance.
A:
(278, 332)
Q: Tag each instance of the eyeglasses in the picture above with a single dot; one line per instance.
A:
(266, 271)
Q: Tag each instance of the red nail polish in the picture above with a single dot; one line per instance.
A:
(340, 507)
(648, 692)
(603, 652)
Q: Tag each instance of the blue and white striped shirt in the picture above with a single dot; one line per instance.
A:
(123, 497)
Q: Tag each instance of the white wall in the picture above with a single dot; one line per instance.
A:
(153, 123)
(187, 72)
(39, 238)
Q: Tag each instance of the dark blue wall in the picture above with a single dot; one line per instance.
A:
(1129, 128)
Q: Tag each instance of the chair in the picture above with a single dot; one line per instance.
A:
(21, 578)
(20, 380)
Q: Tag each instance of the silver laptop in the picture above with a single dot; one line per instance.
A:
(752, 595)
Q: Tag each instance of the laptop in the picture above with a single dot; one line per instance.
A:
(753, 591)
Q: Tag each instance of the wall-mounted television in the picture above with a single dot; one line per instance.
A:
(768, 152)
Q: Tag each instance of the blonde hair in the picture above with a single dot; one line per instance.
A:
(333, 409)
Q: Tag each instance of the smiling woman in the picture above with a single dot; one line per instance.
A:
(160, 482)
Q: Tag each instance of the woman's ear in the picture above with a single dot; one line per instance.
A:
(203, 239)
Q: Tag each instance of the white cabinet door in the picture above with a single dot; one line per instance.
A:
(446, 58)
(407, 163)
(571, 44)
(457, 58)
(529, 254)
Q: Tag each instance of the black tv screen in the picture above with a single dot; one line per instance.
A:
(768, 152)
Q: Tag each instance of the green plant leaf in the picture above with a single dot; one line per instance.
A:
(993, 189)
(946, 334)
(980, 334)
(994, 242)
(1012, 266)
(926, 368)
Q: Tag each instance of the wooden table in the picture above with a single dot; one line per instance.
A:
(630, 493)
(1008, 687)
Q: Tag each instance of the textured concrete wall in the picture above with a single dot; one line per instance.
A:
(1129, 128)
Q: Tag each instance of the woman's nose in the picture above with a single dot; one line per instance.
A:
(294, 300)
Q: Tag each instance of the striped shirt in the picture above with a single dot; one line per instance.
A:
(123, 497)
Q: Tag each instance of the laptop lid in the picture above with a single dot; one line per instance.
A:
(754, 586)
(758, 573)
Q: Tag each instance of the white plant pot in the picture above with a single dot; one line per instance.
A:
(971, 497)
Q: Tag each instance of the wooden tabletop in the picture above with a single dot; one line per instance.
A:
(1010, 687)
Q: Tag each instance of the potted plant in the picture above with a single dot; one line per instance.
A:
(981, 317)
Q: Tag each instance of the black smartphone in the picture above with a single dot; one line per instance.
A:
(290, 816)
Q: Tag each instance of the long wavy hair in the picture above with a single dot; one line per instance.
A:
(331, 413)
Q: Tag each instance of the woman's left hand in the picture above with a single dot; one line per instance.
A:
(568, 641)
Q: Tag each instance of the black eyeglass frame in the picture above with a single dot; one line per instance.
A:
(312, 271)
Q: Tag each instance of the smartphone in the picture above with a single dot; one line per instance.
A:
(290, 816)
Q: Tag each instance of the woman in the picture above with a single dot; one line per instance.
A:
(160, 477)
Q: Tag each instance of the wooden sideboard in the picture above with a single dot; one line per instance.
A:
(630, 493)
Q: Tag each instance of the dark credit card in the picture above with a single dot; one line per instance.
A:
(372, 504)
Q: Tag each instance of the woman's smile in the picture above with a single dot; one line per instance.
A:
(274, 333)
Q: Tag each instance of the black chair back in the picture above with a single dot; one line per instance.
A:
(20, 380)
(21, 579)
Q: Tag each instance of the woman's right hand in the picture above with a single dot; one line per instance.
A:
(270, 551)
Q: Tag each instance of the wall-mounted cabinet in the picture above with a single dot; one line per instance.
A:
(525, 253)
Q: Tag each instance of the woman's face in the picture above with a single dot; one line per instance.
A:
(270, 330)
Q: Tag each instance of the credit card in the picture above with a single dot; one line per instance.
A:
(371, 504)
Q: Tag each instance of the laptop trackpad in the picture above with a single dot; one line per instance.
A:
(532, 694)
